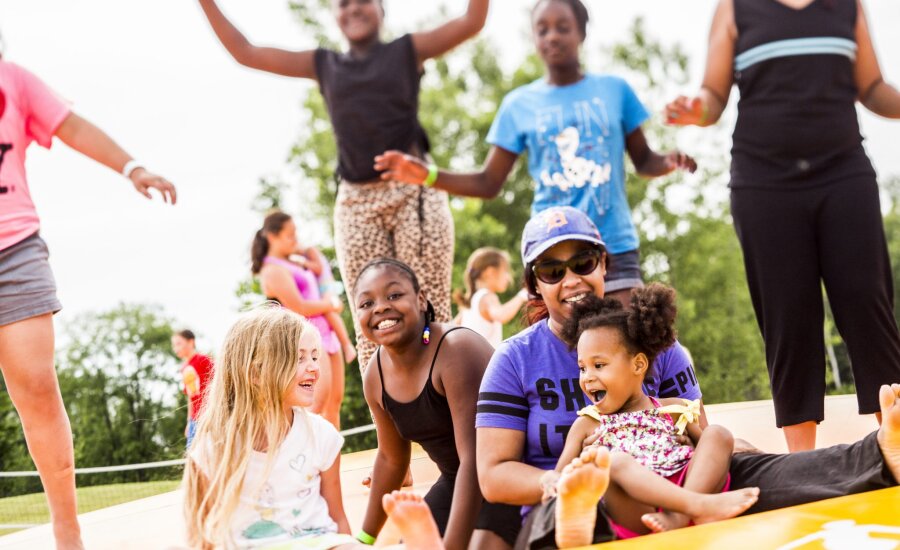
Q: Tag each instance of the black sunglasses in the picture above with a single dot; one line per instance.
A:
(553, 271)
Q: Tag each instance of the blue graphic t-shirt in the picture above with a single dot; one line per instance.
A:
(575, 139)
(531, 385)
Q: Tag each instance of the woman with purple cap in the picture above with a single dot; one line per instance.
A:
(530, 397)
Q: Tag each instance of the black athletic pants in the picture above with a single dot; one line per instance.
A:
(793, 242)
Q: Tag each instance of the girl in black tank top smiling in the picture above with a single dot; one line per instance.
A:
(422, 387)
(804, 196)
(372, 94)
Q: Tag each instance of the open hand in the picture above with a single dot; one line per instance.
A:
(398, 166)
(143, 181)
(684, 111)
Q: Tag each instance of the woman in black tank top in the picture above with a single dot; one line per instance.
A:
(804, 196)
(423, 388)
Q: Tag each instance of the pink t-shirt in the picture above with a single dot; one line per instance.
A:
(29, 111)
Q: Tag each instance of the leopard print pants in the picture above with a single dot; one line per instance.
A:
(396, 220)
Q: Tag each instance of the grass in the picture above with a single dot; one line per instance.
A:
(33, 508)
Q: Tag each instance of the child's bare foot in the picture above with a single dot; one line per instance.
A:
(710, 508)
(349, 352)
(413, 518)
(658, 522)
(889, 432)
(581, 485)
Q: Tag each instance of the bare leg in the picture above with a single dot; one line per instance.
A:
(329, 392)
(337, 325)
(412, 516)
(707, 472)
(801, 437)
(646, 487)
(889, 433)
(581, 485)
(26, 359)
(482, 539)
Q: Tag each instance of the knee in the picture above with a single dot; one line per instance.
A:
(619, 460)
(37, 391)
(715, 434)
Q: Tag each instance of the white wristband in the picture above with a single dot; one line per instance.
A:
(130, 167)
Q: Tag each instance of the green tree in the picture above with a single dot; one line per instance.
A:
(118, 378)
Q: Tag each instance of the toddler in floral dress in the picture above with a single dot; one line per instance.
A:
(648, 439)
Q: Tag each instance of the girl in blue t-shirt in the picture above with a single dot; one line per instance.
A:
(616, 350)
(575, 128)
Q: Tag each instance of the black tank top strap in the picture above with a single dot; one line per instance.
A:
(380, 374)
(438, 350)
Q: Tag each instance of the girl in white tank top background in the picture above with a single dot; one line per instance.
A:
(487, 274)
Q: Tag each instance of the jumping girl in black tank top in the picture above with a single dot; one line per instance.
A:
(804, 197)
(424, 390)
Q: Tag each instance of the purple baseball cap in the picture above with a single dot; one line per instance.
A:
(555, 225)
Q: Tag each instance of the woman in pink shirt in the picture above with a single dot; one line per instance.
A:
(31, 112)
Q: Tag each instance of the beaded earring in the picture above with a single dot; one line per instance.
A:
(426, 335)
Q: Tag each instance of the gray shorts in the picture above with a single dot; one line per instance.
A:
(27, 286)
(623, 271)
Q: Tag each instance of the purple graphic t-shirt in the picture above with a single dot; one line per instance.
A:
(531, 385)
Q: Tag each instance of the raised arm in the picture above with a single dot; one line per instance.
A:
(491, 309)
(299, 64)
(451, 34)
(707, 106)
(277, 283)
(392, 459)
(461, 378)
(94, 143)
(651, 164)
(485, 184)
(874, 93)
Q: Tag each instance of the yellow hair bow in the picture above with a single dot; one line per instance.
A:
(689, 413)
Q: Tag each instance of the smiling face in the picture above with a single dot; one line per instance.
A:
(389, 309)
(300, 392)
(560, 297)
(609, 375)
(556, 32)
(359, 20)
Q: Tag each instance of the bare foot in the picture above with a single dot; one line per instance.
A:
(581, 485)
(889, 432)
(413, 518)
(349, 353)
(658, 522)
(710, 508)
(407, 481)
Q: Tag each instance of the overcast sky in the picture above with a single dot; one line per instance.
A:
(151, 73)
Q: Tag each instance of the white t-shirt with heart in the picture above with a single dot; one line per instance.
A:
(287, 504)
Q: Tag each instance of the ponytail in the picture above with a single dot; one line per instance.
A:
(477, 263)
(258, 251)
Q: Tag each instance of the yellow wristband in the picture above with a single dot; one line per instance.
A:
(432, 175)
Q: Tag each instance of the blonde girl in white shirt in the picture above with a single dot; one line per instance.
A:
(263, 471)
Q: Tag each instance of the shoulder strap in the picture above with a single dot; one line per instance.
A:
(378, 360)
(592, 412)
(438, 350)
